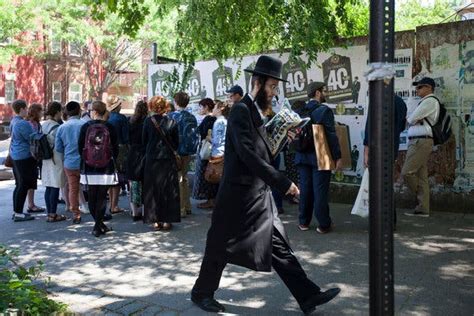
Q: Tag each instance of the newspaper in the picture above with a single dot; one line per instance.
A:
(277, 128)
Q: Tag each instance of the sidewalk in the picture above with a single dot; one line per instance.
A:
(136, 271)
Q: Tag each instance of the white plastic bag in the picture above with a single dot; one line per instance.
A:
(361, 205)
(205, 151)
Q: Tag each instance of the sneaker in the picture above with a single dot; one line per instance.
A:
(84, 209)
(303, 227)
(418, 213)
(21, 217)
(322, 230)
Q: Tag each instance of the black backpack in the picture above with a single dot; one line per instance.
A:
(39, 145)
(442, 128)
(304, 142)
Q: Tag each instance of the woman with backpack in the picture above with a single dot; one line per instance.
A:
(203, 190)
(52, 172)
(35, 113)
(161, 183)
(98, 147)
(135, 159)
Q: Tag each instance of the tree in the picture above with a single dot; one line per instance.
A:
(15, 20)
(105, 52)
(410, 14)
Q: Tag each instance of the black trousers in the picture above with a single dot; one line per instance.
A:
(26, 174)
(97, 202)
(283, 261)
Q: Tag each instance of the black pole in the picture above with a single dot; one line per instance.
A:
(381, 205)
(154, 53)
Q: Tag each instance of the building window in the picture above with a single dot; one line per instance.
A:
(75, 92)
(56, 91)
(9, 91)
(75, 49)
(56, 47)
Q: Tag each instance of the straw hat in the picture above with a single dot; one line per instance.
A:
(113, 102)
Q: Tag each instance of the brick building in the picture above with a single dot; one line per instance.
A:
(59, 74)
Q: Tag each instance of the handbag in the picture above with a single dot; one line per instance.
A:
(177, 157)
(214, 170)
(205, 150)
(136, 164)
(8, 160)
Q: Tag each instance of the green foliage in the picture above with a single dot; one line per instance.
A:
(14, 20)
(18, 289)
(410, 14)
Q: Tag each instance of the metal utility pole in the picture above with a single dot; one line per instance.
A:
(381, 205)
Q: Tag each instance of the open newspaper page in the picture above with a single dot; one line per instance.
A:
(277, 128)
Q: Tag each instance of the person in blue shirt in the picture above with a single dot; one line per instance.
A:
(121, 126)
(399, 126)
(24, 165)
(66, 143)
(314, 183)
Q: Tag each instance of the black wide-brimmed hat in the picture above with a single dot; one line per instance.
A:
(267, 66)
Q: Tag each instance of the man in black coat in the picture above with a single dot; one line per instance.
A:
(245, 228)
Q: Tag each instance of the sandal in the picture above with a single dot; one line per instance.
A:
(35, 209)
(56, 218)
(167, 226)
(117, 210)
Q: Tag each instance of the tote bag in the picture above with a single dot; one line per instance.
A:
(361, 205)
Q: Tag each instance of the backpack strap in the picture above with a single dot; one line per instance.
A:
(439, 111)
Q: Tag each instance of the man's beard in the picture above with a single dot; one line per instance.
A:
(262, 100)
(323, 99)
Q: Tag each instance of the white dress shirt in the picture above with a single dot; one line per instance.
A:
(428, 109)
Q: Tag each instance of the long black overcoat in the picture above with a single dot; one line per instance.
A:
(245, 213)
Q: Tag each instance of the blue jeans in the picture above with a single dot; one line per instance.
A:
(51, 196)
(314, 195)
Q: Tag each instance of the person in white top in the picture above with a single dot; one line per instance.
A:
(420, 136)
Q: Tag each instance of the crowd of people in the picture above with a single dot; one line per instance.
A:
(95, 150)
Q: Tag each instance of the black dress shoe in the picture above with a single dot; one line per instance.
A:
(104, 228)
(208, 304)
(107, 217)
(318, 299)
(96, 232)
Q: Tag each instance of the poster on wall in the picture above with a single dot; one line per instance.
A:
(337, 75)
(222, 81)
(297, 81)
(194, 88)
(160, 83)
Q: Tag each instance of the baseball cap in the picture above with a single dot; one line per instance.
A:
(313, 86)
(425, 81)
(236, 89)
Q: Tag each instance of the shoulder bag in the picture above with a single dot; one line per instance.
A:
(214, 170)
(175, 153)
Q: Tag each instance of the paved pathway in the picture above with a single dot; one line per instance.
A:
(136, 271)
